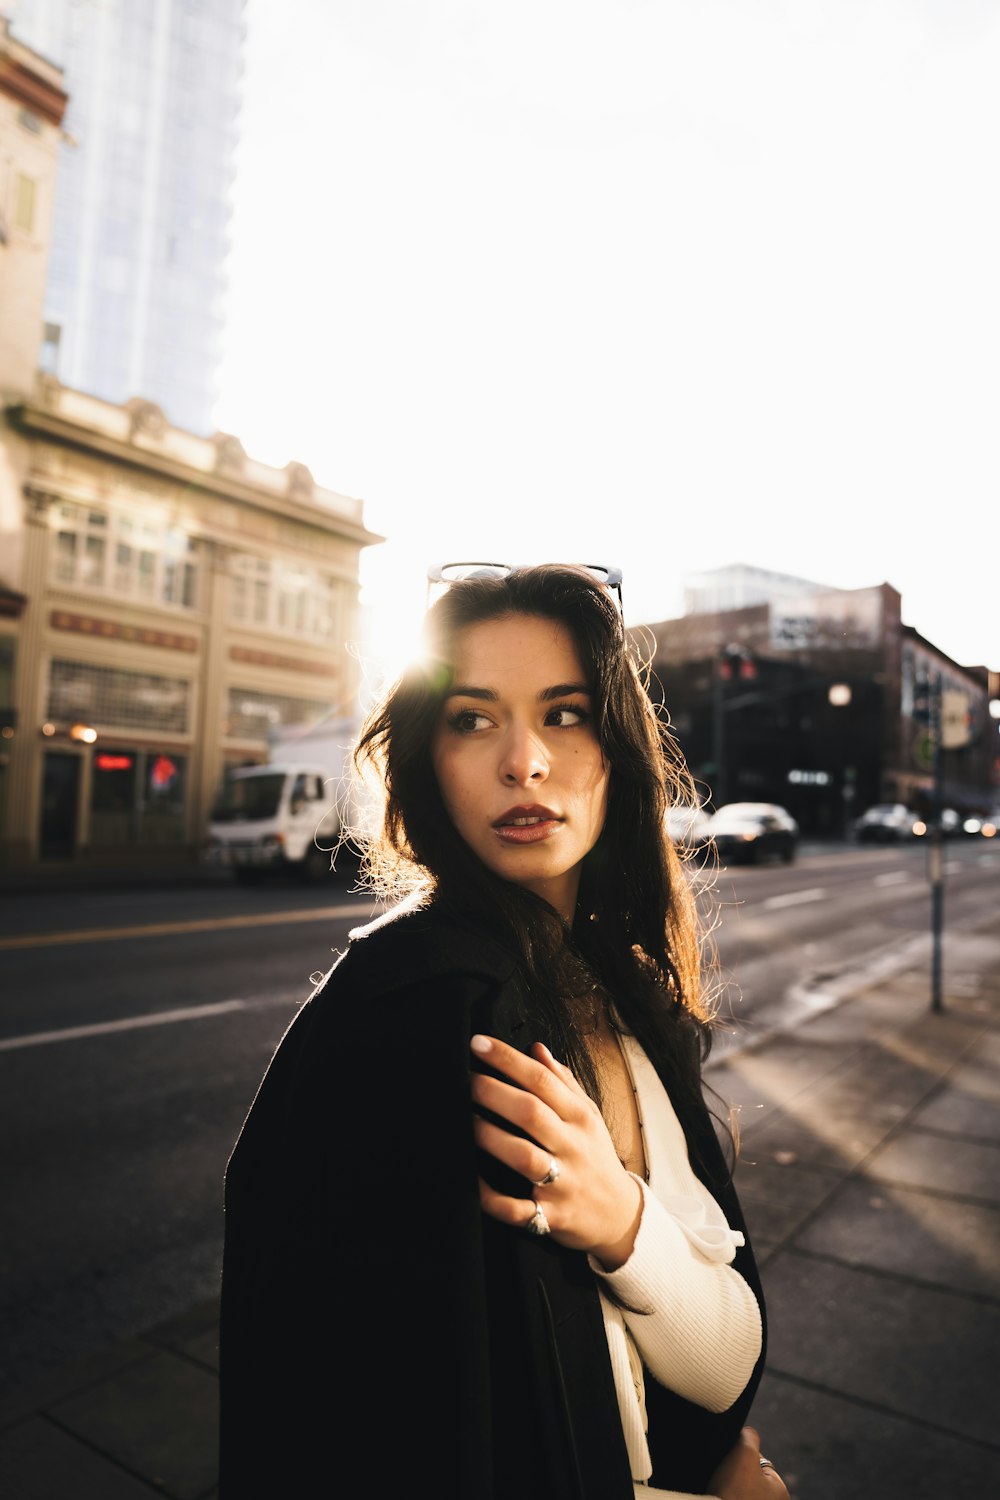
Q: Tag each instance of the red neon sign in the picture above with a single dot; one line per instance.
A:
(105, 762)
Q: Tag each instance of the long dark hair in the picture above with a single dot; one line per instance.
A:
(636, 940)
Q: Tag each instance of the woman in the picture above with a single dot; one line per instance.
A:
(480, 1234)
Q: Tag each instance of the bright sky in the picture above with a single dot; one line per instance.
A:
(667, 283)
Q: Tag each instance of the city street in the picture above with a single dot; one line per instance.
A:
(135, 1024)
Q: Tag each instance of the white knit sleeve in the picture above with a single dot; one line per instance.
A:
(645, 1492)
(699, 1328)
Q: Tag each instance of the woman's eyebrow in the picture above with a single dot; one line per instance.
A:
(466, 690)
(488, 695)
(563, 690)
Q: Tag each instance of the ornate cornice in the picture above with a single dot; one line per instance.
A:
(146, 419)
(230, 455)
(38, 501)
(24, 85)
(42, 420)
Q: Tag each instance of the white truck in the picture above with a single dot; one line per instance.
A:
(290, 812)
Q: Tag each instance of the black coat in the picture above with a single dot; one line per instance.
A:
(377, 1328)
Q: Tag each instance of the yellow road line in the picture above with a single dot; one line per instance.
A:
(205, 924)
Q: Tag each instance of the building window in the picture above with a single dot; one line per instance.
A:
(110, 697)
(129, 556)
(24, 203)
(49, 356)
(253, 715)
(137, 797)
(180, 574)
(286, 598)
(7, 644)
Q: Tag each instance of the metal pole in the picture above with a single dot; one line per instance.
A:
(936, 859)
(718, 731)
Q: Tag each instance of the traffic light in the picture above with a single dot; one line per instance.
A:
(736, 661)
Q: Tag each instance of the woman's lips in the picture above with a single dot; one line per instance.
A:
(526, 825)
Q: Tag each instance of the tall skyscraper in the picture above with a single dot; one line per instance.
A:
(135, 291)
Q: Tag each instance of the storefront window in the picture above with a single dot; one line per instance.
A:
(161, 816)
(137, 797)
(113, 696)
(112, 801)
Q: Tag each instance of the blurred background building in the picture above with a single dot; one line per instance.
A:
(783, 690)
(32, 107)
(168, 605)
(166, 602)
(137, 267)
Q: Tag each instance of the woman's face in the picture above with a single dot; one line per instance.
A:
(516, 756)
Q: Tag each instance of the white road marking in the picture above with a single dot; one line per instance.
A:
(795, 898)
(134, 1023)
(892, 877)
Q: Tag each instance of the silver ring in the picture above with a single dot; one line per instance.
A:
(766, 1463)
(538, 1223)
(550, 1175)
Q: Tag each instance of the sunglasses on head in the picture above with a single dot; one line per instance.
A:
(443, 574)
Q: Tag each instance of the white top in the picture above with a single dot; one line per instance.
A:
(701, 1336)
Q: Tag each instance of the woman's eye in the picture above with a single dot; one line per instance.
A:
(467, 721)
(566, 715)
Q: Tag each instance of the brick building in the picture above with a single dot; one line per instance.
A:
(782, 690)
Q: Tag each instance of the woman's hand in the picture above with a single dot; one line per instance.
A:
(593, 1204)
(740, 1476)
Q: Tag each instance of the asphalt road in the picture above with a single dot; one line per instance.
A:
(135, 1024)
(835, 914)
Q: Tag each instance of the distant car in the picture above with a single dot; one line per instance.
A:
(687, 826)
(750, 831)
(982, 825)
(887, 823)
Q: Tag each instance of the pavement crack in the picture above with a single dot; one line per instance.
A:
(922, 1423)
(879, 1273)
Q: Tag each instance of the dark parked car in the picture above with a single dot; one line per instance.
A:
(887, 823)
(749, 831)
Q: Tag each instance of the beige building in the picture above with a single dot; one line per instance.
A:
(32, 105)
(166, 602)
(182, 602)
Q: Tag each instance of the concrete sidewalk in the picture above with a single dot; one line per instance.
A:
(870, 1174)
